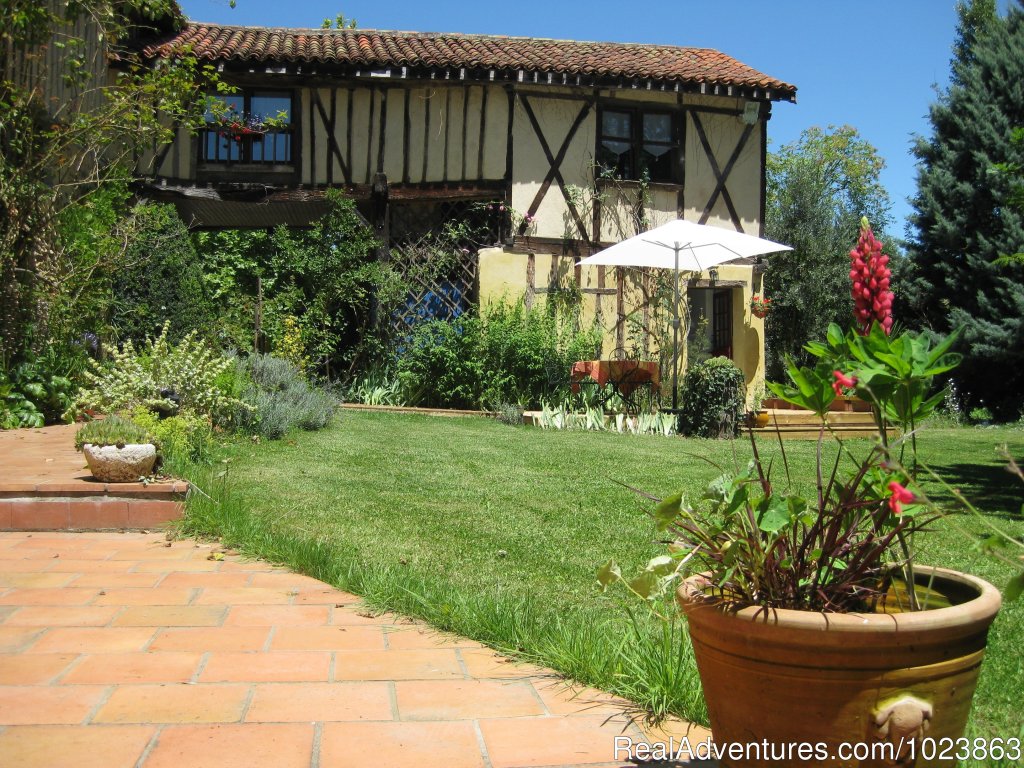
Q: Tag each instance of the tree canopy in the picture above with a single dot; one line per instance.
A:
(962, 220)
(819, 187)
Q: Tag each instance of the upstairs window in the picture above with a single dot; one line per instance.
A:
(250, 126)
(635, 144)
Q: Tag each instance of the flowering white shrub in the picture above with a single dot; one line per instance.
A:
(161, 377)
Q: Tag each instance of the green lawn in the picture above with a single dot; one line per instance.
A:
(496, 532)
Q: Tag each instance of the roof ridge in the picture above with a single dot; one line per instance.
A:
(475, 35)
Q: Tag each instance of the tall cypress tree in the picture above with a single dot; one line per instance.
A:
(962, 222)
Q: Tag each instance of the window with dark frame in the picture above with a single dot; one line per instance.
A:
(634, 144)
(250, 141)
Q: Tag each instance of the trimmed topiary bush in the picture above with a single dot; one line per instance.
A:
(713, 399)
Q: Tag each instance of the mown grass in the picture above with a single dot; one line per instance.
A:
(496, 532)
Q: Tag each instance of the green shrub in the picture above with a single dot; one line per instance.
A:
(509, 354)
(38, 392)
(113, 430)
(160, 280)
(282, 399)
(440, 366)
(713, 399)
(162, 377)
(185, 437)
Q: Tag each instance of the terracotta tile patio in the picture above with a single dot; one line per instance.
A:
(147, 662)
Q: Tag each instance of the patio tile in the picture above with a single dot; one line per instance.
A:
(91, 565)
(165, 566)
(205, 580)
(47, 705)
(233, 746)
(465, 699)
(69, 616)
(32, 669)
(243, 596)
(308, 702)
(562, 698)
(20, 565)
(74, 746)
(675, 732)
(93, 640)
(414, 636)
(36, 580)
(286, 580)
(120, 668)
(359, 617)
(440, 664)
(328, 639)
(154, 596)
(174, 703)
(283, 615)
(49, 596)
(400, 745)
(208, 639)
(543, 741)
(171, 616)
(326, 596)
(14, 639)
(115, 580)
(278, 666)
(485, 663)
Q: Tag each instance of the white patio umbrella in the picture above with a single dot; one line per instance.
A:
(682, 246)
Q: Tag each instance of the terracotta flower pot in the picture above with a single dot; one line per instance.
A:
(800, 677)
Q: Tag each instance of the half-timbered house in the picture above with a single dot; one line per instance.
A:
(584, 144)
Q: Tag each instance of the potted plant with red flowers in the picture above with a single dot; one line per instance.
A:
(760, 306)
(813, 602)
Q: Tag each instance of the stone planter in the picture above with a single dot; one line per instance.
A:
(110, 464)
(792, 677)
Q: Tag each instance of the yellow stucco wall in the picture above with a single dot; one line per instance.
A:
(503, 276)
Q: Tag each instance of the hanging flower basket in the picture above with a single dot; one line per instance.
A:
(760, 306)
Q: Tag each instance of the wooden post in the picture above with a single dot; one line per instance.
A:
(381, 220)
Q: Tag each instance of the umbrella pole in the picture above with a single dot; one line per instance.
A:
(675, 333)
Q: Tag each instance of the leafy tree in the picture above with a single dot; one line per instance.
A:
(963, 224)
(325, 280)
(53, 154)
(818, 189)
(159, 280)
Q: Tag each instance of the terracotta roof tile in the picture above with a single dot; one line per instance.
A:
(370, 48)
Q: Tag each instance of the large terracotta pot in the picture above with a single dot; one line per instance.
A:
(796, 677)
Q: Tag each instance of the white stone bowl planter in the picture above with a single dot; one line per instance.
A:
(110, 464)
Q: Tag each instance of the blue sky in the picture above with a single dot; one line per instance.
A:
(872, 64)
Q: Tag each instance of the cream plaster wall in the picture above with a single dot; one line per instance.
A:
(503, 277)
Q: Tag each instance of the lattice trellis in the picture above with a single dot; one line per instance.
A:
(437, 291)
(441, 269)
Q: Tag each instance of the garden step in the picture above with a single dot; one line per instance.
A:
(44, 486)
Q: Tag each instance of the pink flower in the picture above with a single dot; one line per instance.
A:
(900, 496)
(872, 299)
(842, 382)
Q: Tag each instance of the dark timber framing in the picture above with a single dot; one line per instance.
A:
(555, 163)
(721, 176)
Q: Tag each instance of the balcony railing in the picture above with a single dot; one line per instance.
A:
(270, 147)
